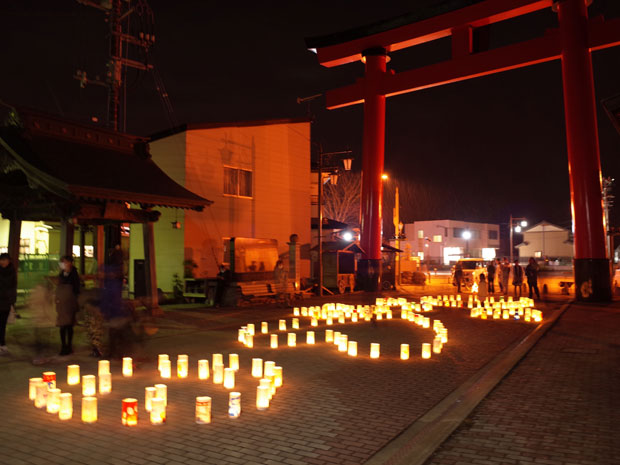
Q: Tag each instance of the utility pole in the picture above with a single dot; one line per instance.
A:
(118, 13)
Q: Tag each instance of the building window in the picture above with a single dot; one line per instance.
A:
(493, 234)
(437, 238)
(420, 234)
(538, 254)
(24, 246)
(458, 232)
(237, 182)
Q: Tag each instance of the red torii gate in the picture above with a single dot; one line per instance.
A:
(573, 43)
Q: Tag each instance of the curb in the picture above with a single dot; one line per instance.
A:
(422, 438)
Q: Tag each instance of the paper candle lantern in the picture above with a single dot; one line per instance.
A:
(73, 375)
(49, 377)
(41, 395)
(233, 361)
(268, 368)
(336, 339)
(203, 410)
(296, 311)
(241, 335)
(329, 321)
(53, 400)
(160, 359)
(295, 323)
(426, 350)
(161, 393)
(262, 397)
(165, 369)
(437, 345)
(127, 367)
(229, 378)
(277, 376)
(249, 340)
(309, 337)
(354, 318)
(105, 383)
(292, 339)
(314, 322)
(257, 367)
(65, 410)
(218, 373)
(264, 327)
(282, 325)
(251, 330)
(158, 411)
(404, 351)
(218, 358)
(304, 311)
(103, 367)
(266, 383)
(182, 366)
(89, 385)
(273, 341)
(130, 412)
(375, 349)
(203, 369)
(234, 404)
(329, 335)
(352, 348)
(149, 394)
(89, 409)
(32, 387)
(343, 344)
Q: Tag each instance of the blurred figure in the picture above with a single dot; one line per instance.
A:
(505, 268)
(8, 296)
(531, 272)
(223, 280)
(67, 290)
(483, 289)
(491, 276)
(458, 276)
(280, 277)
(517, 277)
(41, 306)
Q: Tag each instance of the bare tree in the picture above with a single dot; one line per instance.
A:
(342, 200)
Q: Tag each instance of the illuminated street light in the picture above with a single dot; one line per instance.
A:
(348, 236)
(517, 229)
(466, 235)
(522, 223)
(385, 177)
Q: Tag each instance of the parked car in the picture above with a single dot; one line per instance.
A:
(472, 268)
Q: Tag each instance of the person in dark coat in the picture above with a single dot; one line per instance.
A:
(491, 276)
(458, 276)
(224, 276)
(67, 291)
(531, 272)
(8, 296)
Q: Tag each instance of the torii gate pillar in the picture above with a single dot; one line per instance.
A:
(591, 266)
(369, 268)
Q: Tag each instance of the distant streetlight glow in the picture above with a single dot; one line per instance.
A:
(348, 236)
(385, 177)
(466, 235)
(523, 224)
(517, 229)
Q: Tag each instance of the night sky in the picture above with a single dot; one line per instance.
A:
(483, 148)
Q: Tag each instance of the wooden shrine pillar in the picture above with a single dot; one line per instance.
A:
(82, 249)
(67, 230)
(100, 248)
(15, 229)
(150, 267)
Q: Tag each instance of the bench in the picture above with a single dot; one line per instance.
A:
(565, 286)
(256, 290)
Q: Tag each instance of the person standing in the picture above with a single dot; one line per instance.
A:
(531, 272)
(67, 290)
(8, 296)
(505, 268)
(517, 277)
(483, 289)
(223, 281)
(280, 277)
(491, 276)
(458, 276)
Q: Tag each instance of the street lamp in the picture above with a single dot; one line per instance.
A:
(331, 158)
(467, 236)
(520, 223)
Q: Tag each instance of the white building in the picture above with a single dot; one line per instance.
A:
(446, 241)
(547, 241)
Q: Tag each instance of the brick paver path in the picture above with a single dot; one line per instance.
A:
(331, 409)
(560, 406)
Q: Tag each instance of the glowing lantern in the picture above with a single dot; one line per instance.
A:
(379, 316)
(73, 375)
(158, 411)
(262, 397)
(292, 339)
(426, 350)
(203, 410)
(89, 409)
(41, 395)
(65, 409)
(277, 376)
(149, 394)
(273, 341)
(329, 335)
(233, 361)
(404, 351)
(161, 393)
(165, 369)
(266, 383)
(437, 345)
(229, 378)
(49, 377)
(282, 325)
(296, 311)
(354, 318)
(234, 405)
(218, 359)
(388, 315)
(32, 387)
(241, 335)
(264, 327)
(251, 330)
(257, 367)
(295, 323)
(182, 366)
(505, 314)
(309, 337)
(218, 373)
(314, 322)
(341, 319)
(352, 348)
(336, 339)
(268, 369)
(53, 400)
(343, 344)
(89, 385)
(375, 349)
(426, 322)
(160, 359)
(130, 412)
(249, 340)
(203, 369)
(127, 367)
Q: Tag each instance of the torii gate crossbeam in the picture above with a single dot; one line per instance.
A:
(573, 43)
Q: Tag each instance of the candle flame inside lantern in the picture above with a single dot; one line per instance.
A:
(295, 323)
(127, 367)
(203, 369)
(262, 397)
(264, 327)
(103, 367)
(426, 350)
(277, 376)
(375, 349)
(89, 409)
(292, 339)
(233, 361)
(158, 411)
(53, 400)
(273, 341)
(257, 367)
(105, 383)
(65, 411)
(282, 325)
(329, 335)
(310, 337)
(229, 378)
(89, 385)
(182, 366)
(73, 375)
(352, 348)
(165, 369)
(404, 351)
(268, 368)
